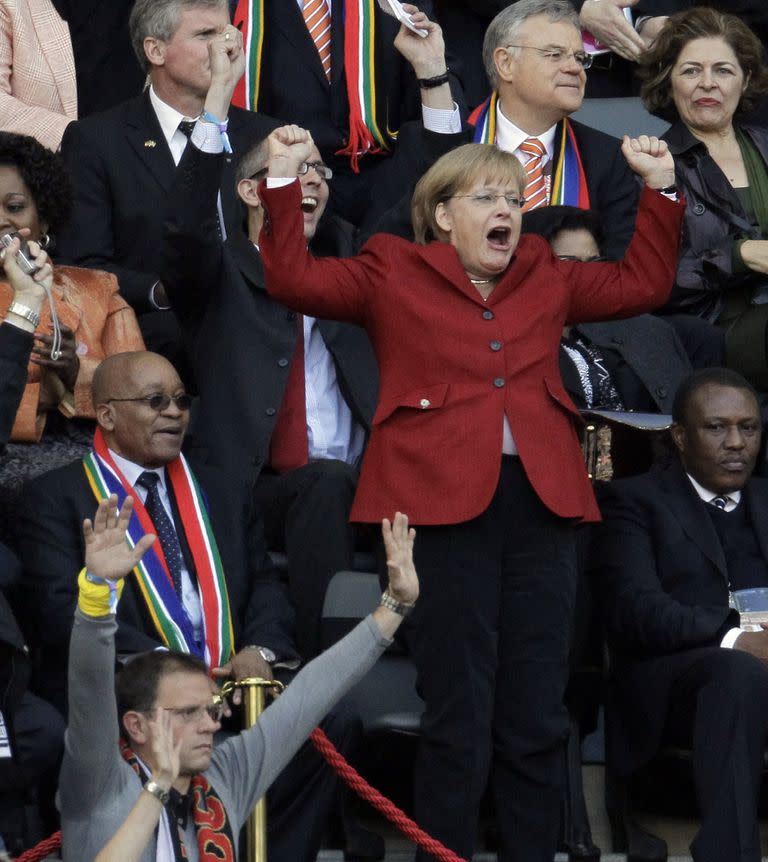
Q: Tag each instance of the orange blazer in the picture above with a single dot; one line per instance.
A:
(451, 365)
(87, 301)
(38, 92)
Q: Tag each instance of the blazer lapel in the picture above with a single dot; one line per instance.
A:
(689, 510)
(54, 34)
(146, 138)
(290, 20)
(247, 258)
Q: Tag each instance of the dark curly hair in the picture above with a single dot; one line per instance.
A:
(44, 175)
(655, 66)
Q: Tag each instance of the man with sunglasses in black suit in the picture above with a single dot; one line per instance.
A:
(142, 411)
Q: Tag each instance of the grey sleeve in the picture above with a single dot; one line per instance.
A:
(92, 766)
(248, 763)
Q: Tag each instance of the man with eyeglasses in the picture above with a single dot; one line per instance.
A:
(537, 67)
(153, 788)
(285, 400)
(206, 588)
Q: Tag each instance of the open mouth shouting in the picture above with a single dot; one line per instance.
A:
(309, 204)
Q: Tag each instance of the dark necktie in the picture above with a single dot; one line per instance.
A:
(166, 532)
(185, 127)
(720, 502)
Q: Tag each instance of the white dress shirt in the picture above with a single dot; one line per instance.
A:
(733, 498)
(190, 597)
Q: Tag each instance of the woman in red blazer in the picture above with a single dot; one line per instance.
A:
(476, 439)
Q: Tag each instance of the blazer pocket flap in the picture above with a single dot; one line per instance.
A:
(558, 394)
(423, 398)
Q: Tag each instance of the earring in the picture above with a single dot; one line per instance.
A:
(44, 241)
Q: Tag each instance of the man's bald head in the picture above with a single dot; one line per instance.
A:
(121, 390)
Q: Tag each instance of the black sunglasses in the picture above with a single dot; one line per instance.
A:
(160, 402)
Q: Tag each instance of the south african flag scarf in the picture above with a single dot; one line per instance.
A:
(359, 45)
(569, 185)
(215, 842)
(152, 574)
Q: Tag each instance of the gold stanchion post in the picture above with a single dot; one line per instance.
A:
(254, 702)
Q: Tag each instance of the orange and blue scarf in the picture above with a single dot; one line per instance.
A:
(569, 185)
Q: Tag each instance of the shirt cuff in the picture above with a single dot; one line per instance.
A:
(279, 182)
(207, 137)
(441, 120)
(730, 638)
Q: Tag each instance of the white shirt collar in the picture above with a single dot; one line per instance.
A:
(509, 136)
(708, 496)
(132, 471)
(168, 117)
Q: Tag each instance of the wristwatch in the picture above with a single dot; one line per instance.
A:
(160, 793)
(389, 601)
(265, 652)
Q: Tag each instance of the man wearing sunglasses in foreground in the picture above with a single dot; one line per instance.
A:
(205, 588)
(115, 798)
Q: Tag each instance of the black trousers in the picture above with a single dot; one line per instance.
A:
(719, 708)
(306, 513)
(490, 637)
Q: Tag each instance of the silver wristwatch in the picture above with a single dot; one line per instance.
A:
(160, 793)
(26, 312)
(389, 601)
(265, 652)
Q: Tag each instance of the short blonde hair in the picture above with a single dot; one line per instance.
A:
(454, 172)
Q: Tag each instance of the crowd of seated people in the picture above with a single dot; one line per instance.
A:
(305, 378)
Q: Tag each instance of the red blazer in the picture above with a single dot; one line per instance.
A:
(451, 365)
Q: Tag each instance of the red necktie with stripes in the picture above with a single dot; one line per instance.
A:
(535, 193)
(318, 19)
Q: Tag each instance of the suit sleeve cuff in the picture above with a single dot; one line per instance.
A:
(441, 120)
(730, 638)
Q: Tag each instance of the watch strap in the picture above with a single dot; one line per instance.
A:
(390, 602)
(160, 793)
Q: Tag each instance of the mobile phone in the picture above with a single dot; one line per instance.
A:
(23, 255)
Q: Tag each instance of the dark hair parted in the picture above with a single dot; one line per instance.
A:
(707, 377)
(548, 222)
(655, 65)
(137, 683)
(44, 175)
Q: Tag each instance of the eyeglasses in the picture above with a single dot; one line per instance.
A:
(598, 258)
(487, 200)
(323, 171)
(557, 55)
(189, 714)
(160, 402)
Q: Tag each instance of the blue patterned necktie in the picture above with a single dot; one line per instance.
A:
(166, 532)
(720, 502)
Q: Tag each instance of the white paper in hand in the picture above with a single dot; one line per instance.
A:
(395, 9)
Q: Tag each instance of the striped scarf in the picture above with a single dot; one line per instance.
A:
(215, 842)
(152, 574)
(569, 185)
(359, 68)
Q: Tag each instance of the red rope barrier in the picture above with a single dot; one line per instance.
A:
(351, 777)
(41, 850)
(380, 802)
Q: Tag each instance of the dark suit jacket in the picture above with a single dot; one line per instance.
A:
(652, 374)
(52, 552)
(294, 86)
(121, 182)
(661, 577)
(15, 347)
(239, 340)
(451, 365)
